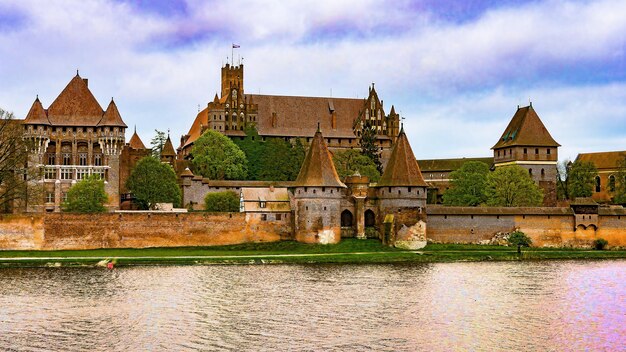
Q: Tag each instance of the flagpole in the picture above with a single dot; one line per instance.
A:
(232, 53)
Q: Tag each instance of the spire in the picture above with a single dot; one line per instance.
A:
(135, 141)
(168, 148)
(402, 169)
(112, 116)
(37, 115)
(393, 110)
(317, 168)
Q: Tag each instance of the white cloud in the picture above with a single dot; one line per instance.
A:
(459, 81)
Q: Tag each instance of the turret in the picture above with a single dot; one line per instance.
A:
(317, 194)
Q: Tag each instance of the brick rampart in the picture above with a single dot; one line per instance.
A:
(547, 227)
(136, 230)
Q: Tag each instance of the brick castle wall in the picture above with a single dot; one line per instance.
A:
(135, 230)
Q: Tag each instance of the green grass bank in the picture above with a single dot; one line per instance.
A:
(347, 251)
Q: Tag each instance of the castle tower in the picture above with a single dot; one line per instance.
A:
(317, 196)
(526, 142)
(168, 154)
(232, 78)
(402, 189)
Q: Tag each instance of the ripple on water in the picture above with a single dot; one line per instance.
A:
(551, 305)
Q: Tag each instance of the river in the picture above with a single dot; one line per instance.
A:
(501, 306)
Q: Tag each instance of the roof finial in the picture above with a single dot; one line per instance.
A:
(37, 97)
(318, 127)
(168, 133)
(402, 124)
(77, 72)
(135, 128)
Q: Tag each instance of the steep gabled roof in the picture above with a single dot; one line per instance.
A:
(604, 160)
(37, 115)
(317, 168)
(298, 116)
(449, 164)
(526, 129)
(75, 106)
(135, 142)
(168, 148)
(402, 169)
(202, 119)
(112, 116)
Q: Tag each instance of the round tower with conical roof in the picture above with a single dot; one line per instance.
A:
(317, 194)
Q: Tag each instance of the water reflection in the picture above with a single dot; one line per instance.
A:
(462, 306)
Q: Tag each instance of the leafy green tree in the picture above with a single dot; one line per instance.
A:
(253, 147)
(86, 196)
(217, 157)
(350, 161)
(279, 161)
(157, 143)
(153, 182)
(467, 185)
(227, 201)
(369, 147)
(620, 184)
(511, 186)
(519, 239)
(581, 179)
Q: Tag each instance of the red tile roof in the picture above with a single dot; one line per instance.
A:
(112, 116)
(37, 115)
(168, 148)
(402, 168)
(135, 142)
(317, 168)
(298, 116)
(526, 129)
(603, 160)
(75, 106)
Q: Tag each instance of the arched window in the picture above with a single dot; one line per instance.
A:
(598, 184)
(346, 218)
(612, 183)
(370, 218)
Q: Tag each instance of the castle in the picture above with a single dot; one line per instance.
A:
(341, 119)
(74, 138)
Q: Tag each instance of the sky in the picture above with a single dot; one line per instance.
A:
(455, 70)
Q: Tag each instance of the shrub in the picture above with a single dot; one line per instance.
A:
(86, 196)
(519, 239)
(222, 202)
(600, 244)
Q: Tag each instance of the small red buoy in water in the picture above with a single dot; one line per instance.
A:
(110, 265)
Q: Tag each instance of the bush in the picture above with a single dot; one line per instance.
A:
(600, 244)
(222, 202)
(519, 239)
(86, 196)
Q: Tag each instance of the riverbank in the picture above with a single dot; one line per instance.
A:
(286, 252)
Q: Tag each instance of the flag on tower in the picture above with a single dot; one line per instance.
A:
(235, 46)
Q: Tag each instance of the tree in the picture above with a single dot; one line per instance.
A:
(17, 186)
(350, 161)
(253, 147)
(217, 157)
(227, 201)
(467, 185)
(86, 196)
(511, 186)
(519, 239)
(153, 182)
(369, 147)
(157, 143)
(581, 179)
(280, 161)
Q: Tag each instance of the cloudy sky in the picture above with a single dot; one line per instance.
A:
(456, 70)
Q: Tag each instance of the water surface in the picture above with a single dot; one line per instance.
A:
(529, 306)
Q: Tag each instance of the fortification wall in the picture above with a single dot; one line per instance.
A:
(547, 227)
(136, 230)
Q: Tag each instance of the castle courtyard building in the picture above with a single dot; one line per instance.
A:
(74, 138)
